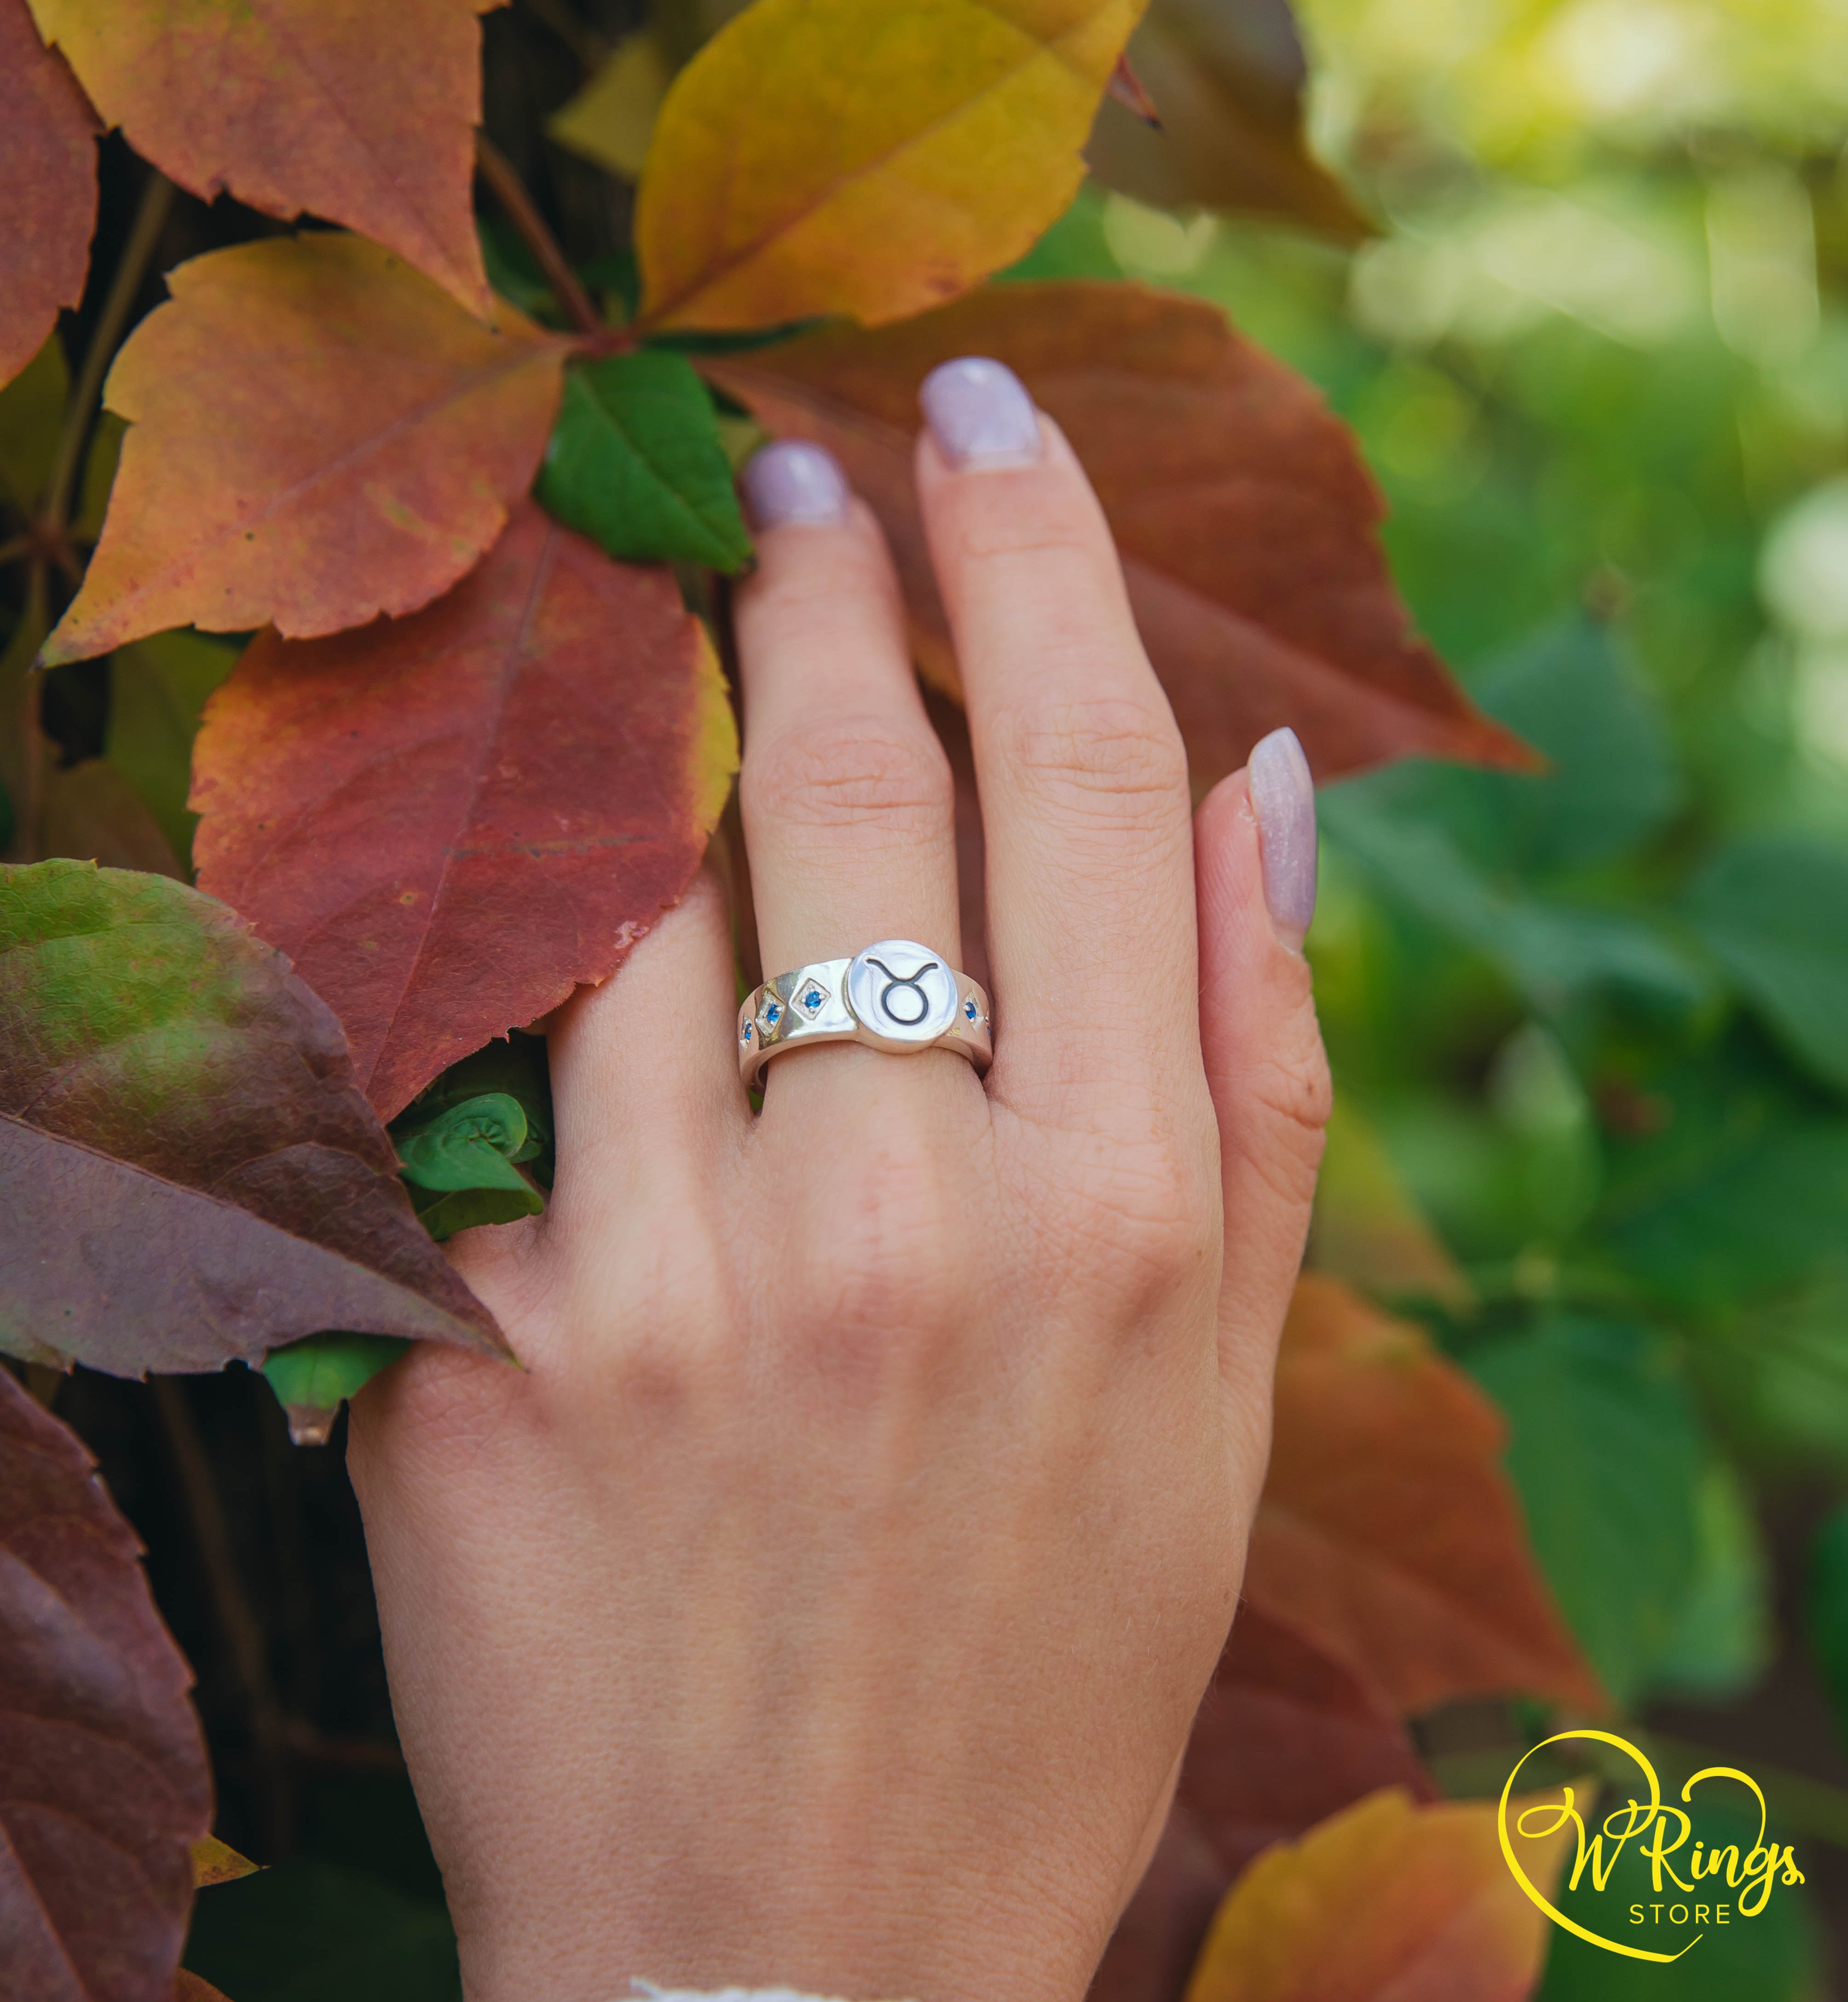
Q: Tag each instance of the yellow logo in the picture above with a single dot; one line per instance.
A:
(1719, 1881)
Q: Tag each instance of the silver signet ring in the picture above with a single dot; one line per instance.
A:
(896, 996)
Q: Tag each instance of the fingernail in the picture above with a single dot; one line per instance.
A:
(1283, 797)
(793, 481)
(980, 414)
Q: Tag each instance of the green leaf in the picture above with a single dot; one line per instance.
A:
(1773, 908)
(1612, 781)
(470, 1178)
(189, 1172)
(157, 693)
(635, 463)
(312, 1379)
(31, 411)
(515, 1065)
(1724, 1642)
(1552, 950)
(1742, 1191)
(513, 270)
(308, 1931)
(1574, 697)
(444, 1212)
(472, 1145)
(1607, 1453)
(1827, 1608)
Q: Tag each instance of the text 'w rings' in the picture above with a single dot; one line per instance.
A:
(896, 996)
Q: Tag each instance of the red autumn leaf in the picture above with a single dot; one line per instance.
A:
(1228, 79)
(1245, 518)
(48, 168)
(1286, 1736)
(448, 822)
(188, 1173)
(1388, 1535)
(1388, 1902)
(364, 115)
(317, 435)
(106, 1784)
(1157, 1940)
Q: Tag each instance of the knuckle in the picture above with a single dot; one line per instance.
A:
(1114, 760)
(849, 772)
(1155, 1208)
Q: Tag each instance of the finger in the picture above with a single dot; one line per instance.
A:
(846, 794)
(1083, 776)
(1255, 841)
(649, 1053)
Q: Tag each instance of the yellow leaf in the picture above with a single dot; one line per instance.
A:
(611, 120)
(216, 1862)
(829, 156)
(1367, 1229)
(1388, 1899)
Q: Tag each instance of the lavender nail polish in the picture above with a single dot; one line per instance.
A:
(1283, 797)
(980, 414)
(794, 481)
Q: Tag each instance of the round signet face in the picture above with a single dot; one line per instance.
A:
(901, 995)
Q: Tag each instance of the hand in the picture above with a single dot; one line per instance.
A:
(827, 1602)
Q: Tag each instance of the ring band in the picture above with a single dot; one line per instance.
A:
(896, 996)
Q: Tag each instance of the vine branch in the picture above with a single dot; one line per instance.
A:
(150, 218)
(510, 191)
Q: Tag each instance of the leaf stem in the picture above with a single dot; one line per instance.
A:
(237, 1621)
(150, 219)
(510, 191)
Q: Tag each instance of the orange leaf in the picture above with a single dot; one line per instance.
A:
(363, 114)
(449, 820)
(828, 156)
(1388, 1534)
(318, 435)
(1389, 1902)
(1246, 521)
(48, 168)
(190, 1988)
(1367, 1229)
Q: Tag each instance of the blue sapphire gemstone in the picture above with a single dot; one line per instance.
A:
(812, 999)
(773, 1014)
(971, 1010)
(746, 1036)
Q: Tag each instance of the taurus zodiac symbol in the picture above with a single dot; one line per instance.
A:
(910, 980)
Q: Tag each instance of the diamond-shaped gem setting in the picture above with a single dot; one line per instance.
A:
(809, 998)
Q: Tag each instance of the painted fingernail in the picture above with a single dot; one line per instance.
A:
(980, 414)
(1283, 797)
(793, 481)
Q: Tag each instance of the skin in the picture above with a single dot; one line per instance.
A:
(827, 1602)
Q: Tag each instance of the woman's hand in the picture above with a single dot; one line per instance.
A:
(828, 1602)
